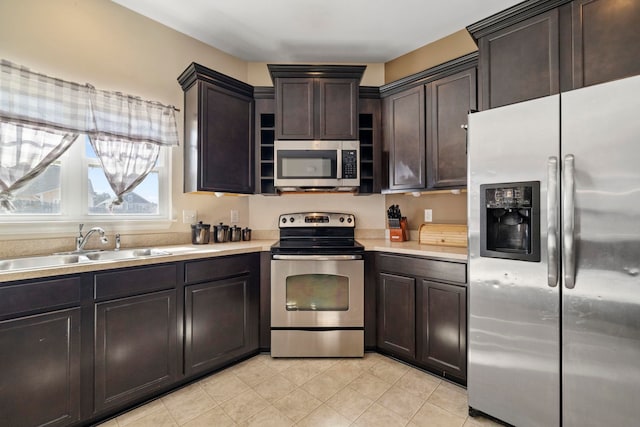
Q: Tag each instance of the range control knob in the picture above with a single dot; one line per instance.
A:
(291, 219)
(341, 219)
(349, 220)
(284, 220)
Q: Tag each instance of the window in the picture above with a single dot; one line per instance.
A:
(144, 200)
(76, 191)
(40, 119)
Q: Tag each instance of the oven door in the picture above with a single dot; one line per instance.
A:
(317, 291)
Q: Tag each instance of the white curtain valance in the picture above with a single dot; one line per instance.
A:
(44, 102)
(117, 116)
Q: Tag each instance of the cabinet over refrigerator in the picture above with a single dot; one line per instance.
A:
(554, 259)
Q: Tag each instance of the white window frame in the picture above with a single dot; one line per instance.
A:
(74, 201)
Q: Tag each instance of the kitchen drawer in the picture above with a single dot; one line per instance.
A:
(133, 281)
(217, 268)
(40, 295)
(422, 267)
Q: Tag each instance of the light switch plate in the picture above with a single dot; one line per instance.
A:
(189, 217)
(234, 216)
(428, 215)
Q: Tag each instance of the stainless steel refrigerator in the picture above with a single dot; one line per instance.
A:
(554, 259)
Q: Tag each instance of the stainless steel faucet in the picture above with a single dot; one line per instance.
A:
(82, 240)
(117, 242)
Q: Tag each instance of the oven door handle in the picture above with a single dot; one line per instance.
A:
(316, 257)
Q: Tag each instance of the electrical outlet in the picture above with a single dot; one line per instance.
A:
(189, 217)
(428, 215)
(234, 216)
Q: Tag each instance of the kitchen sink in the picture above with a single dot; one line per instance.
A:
(125, 254)
(41, 261)
(57, 260)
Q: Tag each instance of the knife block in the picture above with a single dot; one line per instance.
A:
(399, 233)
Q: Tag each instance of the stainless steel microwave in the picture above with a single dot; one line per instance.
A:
(317, 165)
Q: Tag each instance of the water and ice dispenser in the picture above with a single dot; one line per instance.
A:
(510, 221)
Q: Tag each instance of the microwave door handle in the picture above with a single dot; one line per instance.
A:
(339, 164)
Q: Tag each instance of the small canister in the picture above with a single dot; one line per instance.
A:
(220, 233)
(236, 234)
(246, 234)
(200, 233)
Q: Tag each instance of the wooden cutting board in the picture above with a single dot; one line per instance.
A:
(443, 235)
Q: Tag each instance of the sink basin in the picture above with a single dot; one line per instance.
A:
(57, 260)
(125, 254)
(41, 261)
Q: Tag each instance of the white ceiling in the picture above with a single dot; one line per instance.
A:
(317, 31)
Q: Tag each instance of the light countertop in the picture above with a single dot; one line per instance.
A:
(412, 247)
(192, 252)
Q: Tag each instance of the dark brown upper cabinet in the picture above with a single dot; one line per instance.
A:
(520, 62)
(604, 40)
(370, 136)
(539, 48)
(218, 132)
(316, 102)
(449, 101)
(404, 133)
(265, 124)
(423, 119)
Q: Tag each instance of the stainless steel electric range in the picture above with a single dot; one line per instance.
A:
(317, 287)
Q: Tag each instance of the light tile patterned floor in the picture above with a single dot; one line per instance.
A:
(261, 391)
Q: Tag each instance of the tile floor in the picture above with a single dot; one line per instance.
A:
(261, 391)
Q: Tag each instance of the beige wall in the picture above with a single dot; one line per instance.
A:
(447, 208)
(111, 47)
(369, 210)
(258, 74)
(447, 48)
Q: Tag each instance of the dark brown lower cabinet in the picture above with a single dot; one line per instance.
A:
(422, 319)
(396, 314)
(135, 347)
(40, 365)
(221, 311)
(220, 322)
(442, 327)
(75, 350)
(370, 301)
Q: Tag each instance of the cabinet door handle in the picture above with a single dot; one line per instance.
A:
(465, 127)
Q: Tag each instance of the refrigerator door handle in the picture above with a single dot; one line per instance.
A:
(552, 221)
(568, 219)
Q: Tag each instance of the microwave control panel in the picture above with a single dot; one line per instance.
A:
(349, 164)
